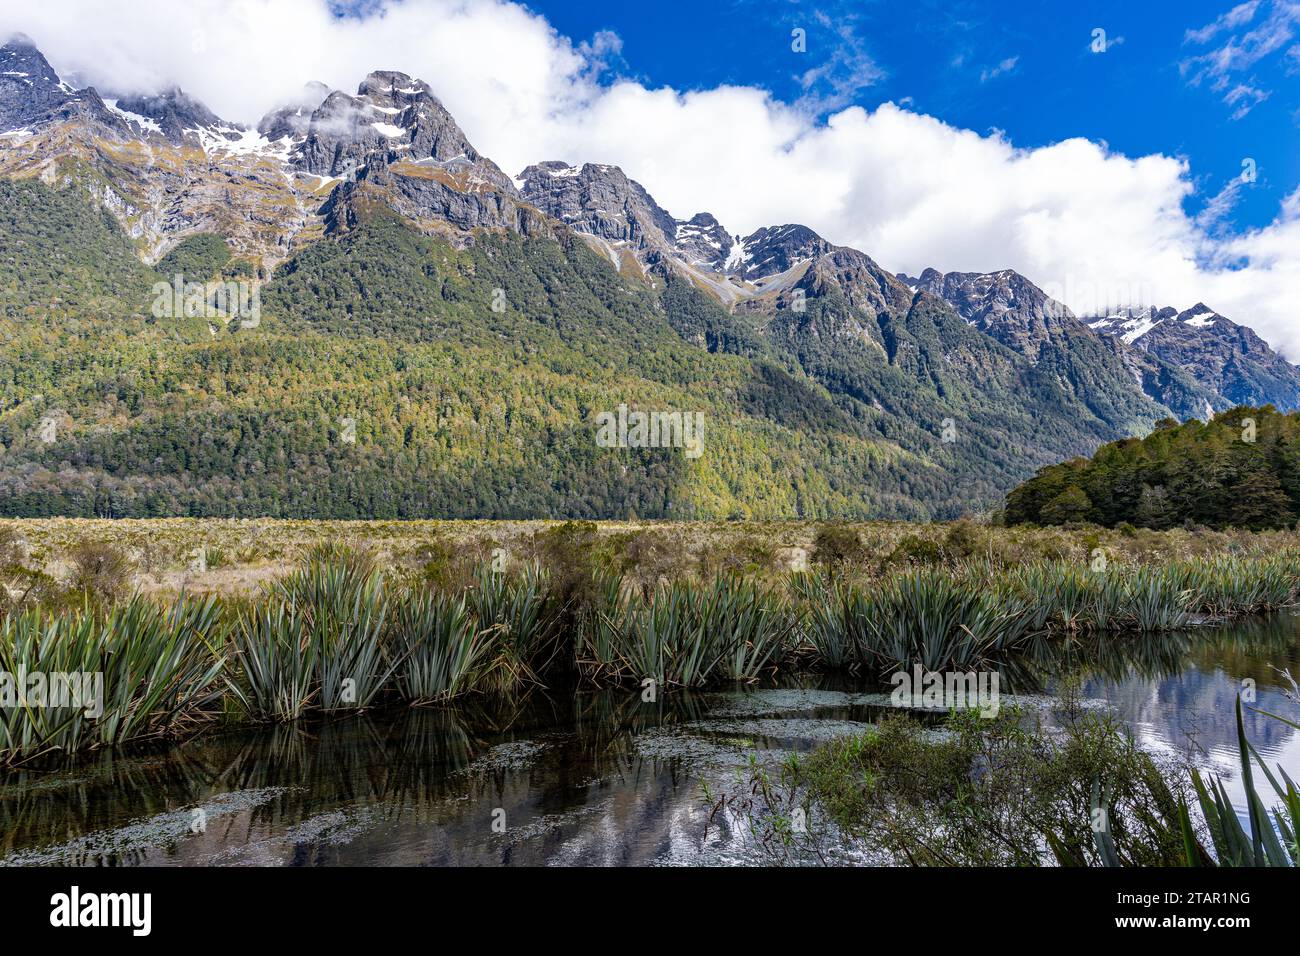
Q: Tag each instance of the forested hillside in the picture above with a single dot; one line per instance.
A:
(1241, 469)
(394, 374)
(382, 383)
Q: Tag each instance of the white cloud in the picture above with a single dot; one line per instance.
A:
(840, 73)
(1095, 227)
(1006, 66)
(1240, 52)
(1238, 16)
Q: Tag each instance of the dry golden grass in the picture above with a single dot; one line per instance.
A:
(242, 554)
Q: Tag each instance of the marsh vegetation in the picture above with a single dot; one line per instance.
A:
(348, 630)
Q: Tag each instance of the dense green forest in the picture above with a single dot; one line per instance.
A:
(396, 375)
(1241, 469)
(381, 382)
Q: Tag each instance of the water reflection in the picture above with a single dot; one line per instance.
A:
(576, 777)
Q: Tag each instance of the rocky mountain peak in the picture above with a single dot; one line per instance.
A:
(1004, 304)
(930, 281)
(601, 201)
(31, 92)
(1223, 356)
(398, 88)
(21, 60)
(293, 117)
(775, 249)
(174, 112)
(1132, 323)
(398, 117)
(1200, 315)
(703, 240)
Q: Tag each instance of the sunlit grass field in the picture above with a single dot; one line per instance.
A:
(240, 556)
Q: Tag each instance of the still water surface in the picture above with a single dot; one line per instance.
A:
(581, 777)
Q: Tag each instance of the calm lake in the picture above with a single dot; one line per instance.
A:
(580, 777)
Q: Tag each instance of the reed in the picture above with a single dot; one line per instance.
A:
(343, 605)
(937, 620)
(599, 625)
(753, 626)
(142, 670)
(660, 639)
(1230, 585)
(275, 674)
(440, 649)
(517, 607)
(694, 634)
(1156, 600)
(825, 600)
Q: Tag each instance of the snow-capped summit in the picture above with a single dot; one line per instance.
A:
(1201, 316)
(1131, 324)
(1217, 352)
(776, 249)
(173, 113)
(702, 239)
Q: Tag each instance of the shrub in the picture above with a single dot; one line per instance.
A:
(913, 549)
(964, 539)
(101, 570)
(650, 557)
(837, 544)
(12, 549)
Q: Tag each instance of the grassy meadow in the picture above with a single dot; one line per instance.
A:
(241, 556)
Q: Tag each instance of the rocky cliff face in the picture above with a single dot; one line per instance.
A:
(600, 201)
(773, 250)
(1016, 312)
(163, 164)
(175, 114)
(32, 94)
(1224, 357)
(1003, 304)
(396, 144)
(391, 113)
(702, 240)
(167, 167)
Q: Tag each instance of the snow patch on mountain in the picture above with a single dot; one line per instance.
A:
(1129, 325)
(738, 257)
(135, 119)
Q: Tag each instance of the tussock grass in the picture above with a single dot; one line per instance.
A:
(159, 668)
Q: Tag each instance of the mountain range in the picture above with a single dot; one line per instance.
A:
(436, 336)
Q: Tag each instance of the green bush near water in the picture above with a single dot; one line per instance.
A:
(1004, 792)
(983, 794)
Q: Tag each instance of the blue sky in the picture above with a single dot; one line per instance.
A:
(1027, 68)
